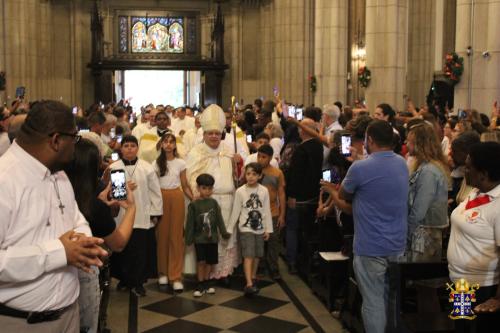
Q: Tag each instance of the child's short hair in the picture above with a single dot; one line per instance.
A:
(130, 138)
(256, 167)
(266, 149)
(262, 135)
(205, 180)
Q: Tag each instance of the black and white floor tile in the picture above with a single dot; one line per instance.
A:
(228, 310)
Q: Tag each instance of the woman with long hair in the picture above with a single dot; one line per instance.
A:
(428, 194)
(170, 231)
(95, 205)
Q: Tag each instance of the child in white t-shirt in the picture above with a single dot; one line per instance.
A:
(252, 212)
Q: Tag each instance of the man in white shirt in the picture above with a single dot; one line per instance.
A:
(192, 137)
(43, 236)
(181, 124)
(330, 124)
(144, 125)
(108, 129)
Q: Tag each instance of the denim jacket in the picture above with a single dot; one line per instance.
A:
(427, 199)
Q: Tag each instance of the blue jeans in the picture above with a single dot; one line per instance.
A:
(292, 235)
(89, 299)
(373, 283)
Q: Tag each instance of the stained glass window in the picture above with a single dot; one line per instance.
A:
(157, 35)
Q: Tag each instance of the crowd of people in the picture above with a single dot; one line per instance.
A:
(207, 189)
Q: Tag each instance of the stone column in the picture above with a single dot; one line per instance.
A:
(330, 51)
(386, 51)
(421, 46)
(479, 86)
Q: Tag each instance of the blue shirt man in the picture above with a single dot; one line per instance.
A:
(378, 189)
(379, 186)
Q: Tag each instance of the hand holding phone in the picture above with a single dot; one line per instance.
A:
(118, 185)
(345, 145)
(298, 114)
(327, 175)
(20, 92)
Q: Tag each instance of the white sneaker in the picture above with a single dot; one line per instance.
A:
(211, 290)
(163, 280)
(178, 286)
(198, 293)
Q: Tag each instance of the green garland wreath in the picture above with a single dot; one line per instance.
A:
(364, 76)
(453, 67)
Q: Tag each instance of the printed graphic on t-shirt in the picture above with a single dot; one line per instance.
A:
(206, 222)
(254, 219)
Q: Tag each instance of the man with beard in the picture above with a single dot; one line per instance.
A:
(43, 236)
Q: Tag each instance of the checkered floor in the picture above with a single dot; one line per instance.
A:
(228, 310)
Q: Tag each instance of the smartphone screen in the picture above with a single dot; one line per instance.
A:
(115, 157)
(20, 91)
(346, 144)
(327, 175)
(291, 111)
(118, 185)
(84, 130)
(119, 138)
(249, 138)
(75, 110)
(112, 133)
(298, 114)
(461, 114)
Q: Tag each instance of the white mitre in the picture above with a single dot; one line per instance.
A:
(213, 118)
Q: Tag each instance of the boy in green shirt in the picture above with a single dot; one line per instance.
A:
(203, 225)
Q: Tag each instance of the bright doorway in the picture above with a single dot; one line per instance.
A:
(142, 87)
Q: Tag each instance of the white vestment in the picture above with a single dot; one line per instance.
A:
(218, 163)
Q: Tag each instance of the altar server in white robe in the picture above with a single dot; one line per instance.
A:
(216, 159)
(193, 136)
(137, 262)
(182, 123)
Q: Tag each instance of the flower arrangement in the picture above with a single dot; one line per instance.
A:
(453, 67)
(364, 76)
(313, 84)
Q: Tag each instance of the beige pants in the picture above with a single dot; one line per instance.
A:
(68, 323)
(170, 235)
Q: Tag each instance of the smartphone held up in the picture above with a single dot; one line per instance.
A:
(345, 146)
(118, 185)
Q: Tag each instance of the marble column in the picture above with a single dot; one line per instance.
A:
(386, 51)
(479, 86)
(330, 51)
(421, 46)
